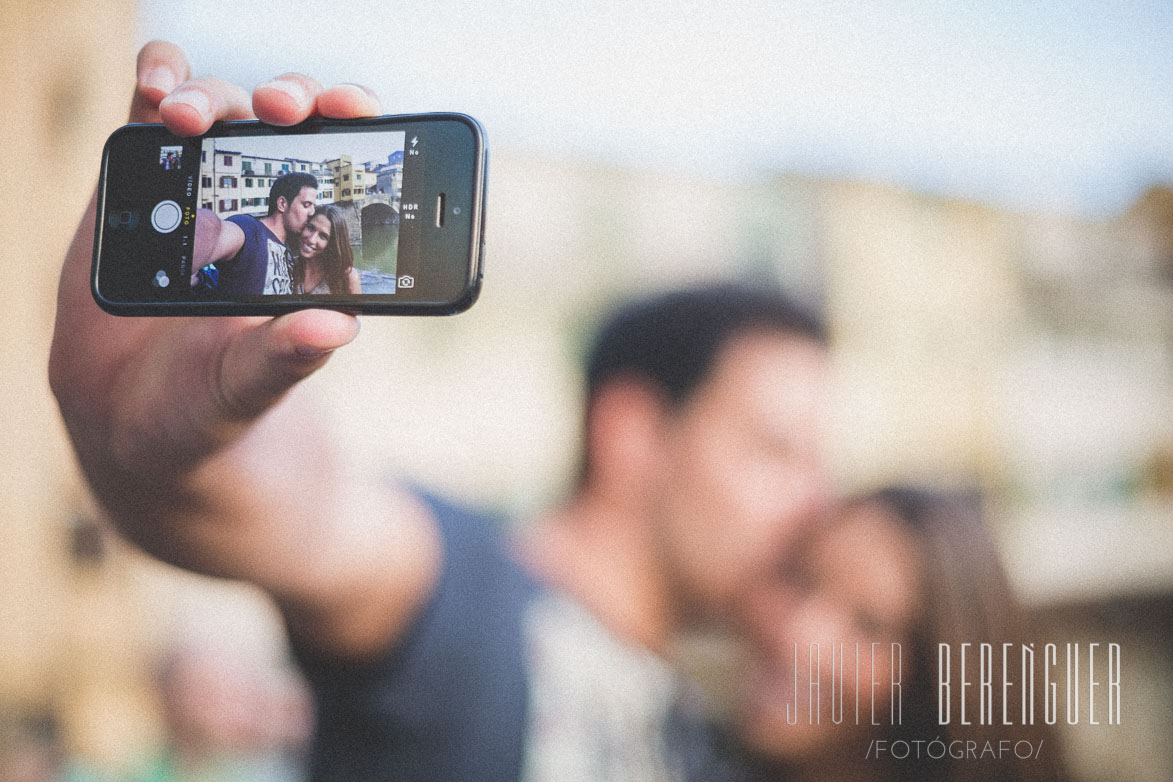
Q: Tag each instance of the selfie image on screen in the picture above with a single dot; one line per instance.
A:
(289, 214)
(170, 157)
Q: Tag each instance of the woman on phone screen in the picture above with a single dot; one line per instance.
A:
(324, 262)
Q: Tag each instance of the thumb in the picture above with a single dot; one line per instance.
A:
(261, 364)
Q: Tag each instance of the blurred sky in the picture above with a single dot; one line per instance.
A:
(1044, 105)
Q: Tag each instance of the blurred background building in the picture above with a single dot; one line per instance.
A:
(984, 332)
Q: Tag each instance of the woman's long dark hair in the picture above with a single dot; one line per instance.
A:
(966, 599)
(336, 258)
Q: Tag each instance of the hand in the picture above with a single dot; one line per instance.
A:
(189, 436)
(146, 400)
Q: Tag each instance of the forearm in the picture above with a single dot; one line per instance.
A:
(348, 557)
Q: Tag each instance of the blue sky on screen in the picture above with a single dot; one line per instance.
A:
(1054, 104)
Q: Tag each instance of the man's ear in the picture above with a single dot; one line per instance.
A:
(624, 435)
(282, 204)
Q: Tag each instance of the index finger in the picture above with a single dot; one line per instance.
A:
(292, 97)
(345, 101)
(161, 67)
(192, 108)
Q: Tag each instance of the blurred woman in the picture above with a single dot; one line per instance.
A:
(325, 262)
(867, 597)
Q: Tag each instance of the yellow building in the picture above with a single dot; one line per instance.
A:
(351, 180)
(342, 170)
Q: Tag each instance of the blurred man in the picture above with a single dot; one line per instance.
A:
(435, 651)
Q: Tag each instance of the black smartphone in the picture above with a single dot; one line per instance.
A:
(381, 215)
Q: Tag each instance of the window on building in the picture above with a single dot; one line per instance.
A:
(346, 177)
(345, 193)
(228, 160)
(206, 181)
(203, 156)
(227, 181)
(248, 182)
(268, 168)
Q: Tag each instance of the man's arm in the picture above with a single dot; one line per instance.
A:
(216, 241)
(193, 435)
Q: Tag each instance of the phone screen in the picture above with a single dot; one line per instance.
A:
(385, 211)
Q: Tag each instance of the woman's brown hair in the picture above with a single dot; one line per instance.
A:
(336, 259)
(966, 598)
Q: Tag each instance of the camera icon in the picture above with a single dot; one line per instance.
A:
(406, 281)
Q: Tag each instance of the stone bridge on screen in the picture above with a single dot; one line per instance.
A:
(372, 215)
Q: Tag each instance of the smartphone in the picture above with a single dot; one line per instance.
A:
(381, 215)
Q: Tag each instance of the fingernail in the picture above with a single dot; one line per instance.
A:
(160, 78)
(196, 99)
(353, 88)
(304, 351)
(290, 88)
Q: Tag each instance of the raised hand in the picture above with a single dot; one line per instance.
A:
(148, 402)
(193, 437)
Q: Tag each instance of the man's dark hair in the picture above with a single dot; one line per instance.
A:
(288, 186)
(672, 340)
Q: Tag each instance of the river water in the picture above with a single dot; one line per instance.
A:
(374, 281)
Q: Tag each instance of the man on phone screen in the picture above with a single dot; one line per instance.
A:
(249, 255)
(437, 649)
